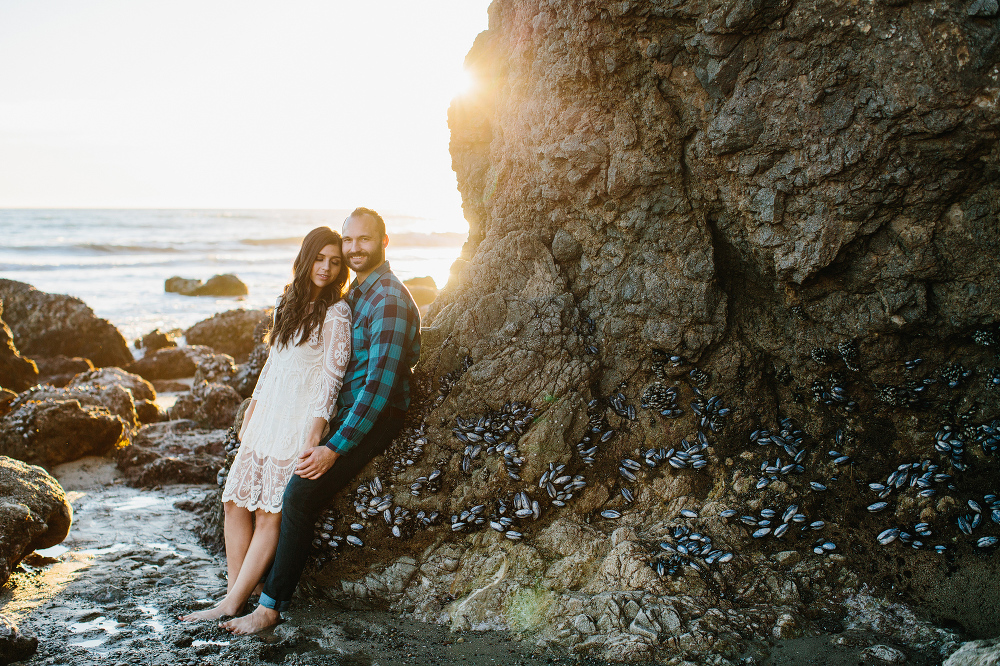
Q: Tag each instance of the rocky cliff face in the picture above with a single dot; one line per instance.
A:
(718, 362)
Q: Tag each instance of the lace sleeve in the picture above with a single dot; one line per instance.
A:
(336, 356)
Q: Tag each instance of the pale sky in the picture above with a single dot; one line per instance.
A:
(232, 104)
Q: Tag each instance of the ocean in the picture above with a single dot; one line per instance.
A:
(116, 261)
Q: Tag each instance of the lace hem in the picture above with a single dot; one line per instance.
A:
(258, 482)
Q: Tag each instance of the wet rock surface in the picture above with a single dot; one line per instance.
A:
(16, 372)
(177, 451)
(57, 429)
(34, 513)
(230, 332)
(52, 324)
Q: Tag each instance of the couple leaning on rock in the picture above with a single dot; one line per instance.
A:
(331, 396)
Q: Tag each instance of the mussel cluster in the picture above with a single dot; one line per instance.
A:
(661, 360)
(232, 445)
(489, 434)
(407, 449)
(682, 546)
(448, 380)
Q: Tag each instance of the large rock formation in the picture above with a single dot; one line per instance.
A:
(34, 513)
(52, 325)
(729, 263)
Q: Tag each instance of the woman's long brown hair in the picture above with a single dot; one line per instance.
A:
(293, 314)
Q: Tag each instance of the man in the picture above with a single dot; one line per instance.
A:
(370, 409)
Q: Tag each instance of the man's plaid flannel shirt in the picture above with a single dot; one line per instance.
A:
(386, 345)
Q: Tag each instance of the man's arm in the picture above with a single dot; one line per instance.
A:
(387, 349)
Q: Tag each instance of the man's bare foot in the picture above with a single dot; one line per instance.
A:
(213, 613)
(262, 618)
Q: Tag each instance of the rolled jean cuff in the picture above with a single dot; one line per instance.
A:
(273, 604)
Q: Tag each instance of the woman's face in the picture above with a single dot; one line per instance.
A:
(326, 267)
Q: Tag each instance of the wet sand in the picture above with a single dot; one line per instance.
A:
(111, 592)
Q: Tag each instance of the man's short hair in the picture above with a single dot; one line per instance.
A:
(368, 211)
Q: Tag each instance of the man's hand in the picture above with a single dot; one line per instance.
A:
(315, 461)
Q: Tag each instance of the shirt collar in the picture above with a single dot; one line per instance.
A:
(371, 280)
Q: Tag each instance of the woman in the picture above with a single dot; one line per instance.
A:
(310, 344)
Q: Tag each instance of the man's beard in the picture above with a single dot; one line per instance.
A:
(372, 260)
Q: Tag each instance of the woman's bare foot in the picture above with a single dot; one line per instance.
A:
(260, 588)
(213, 613)
(262, 618)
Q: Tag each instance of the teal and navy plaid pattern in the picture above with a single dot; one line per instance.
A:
(386, 341)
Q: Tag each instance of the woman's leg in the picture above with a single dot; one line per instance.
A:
(239, 532)
(258, 558)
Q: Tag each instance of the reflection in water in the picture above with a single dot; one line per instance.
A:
(53, 552)
(154, 618)
(140, 502)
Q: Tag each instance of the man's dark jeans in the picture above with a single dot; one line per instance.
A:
(305, 500)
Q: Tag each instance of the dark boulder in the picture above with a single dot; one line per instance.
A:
(217, 285)
(177, 451)
(34, 514)
(171, 362)
(51, 432)
(15, 644)
(60, 370)
(222, 285)
(216, 369)
(170, 386)
(141, 388)
(147, 411)
(183, 286)
(6, 398)
(156, 340)
(211, 405)
(16, 372)
(229, 332)
(53, 324)
(115, 398)
(248, 373)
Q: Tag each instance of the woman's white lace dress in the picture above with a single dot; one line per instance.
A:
(298, 382)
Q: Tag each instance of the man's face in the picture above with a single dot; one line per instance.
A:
(364, 248)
